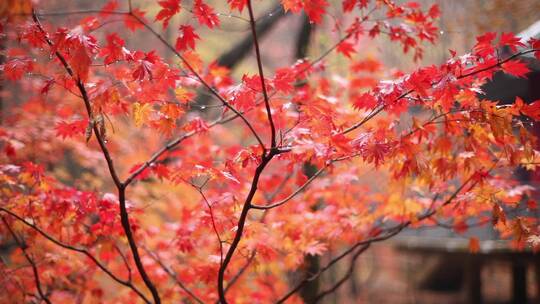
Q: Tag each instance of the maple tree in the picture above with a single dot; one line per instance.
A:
(115, 188)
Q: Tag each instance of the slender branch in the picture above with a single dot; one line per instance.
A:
(80, 12)
(214, 227)
(124, 217)
(296, 192)
(79, 250)
(173, 276)
(125, 260)
(499, 63)
(30, 261)
(345, 277)
(266, 158)
(261, 72)
(251, 258)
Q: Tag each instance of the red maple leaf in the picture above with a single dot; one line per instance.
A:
(16, 67)
(346, 48)
(237, 4)
(114, 50)
(315, 9)
(169, 9)
(80, 62)
(187, 38)
(365, 101)
(515, 68)
(532, 110)
(132, 23)
(69, 129)
(205, 14)
(510, 40)
(110, 6)
(283, 81)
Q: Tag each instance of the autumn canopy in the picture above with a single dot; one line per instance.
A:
(142, 172)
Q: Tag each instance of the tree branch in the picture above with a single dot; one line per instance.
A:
(266, 158)
(345, 277)
(124, 217)
(30, 261)
(80, 250)
(173, 276)
(261, 73)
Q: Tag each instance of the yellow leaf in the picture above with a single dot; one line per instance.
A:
(141, 113)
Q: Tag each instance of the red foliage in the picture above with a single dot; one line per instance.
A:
(116, 168)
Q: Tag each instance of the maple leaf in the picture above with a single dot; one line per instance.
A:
(141, 113)
(283, 80)
(315, 248)
(114, 50)
(80, 62)
(237, 4)
(346, 48)
(70, 129)
(144, 174)
(515, 68)
(171, 111)
(183, 94)
(132, 23)
(194, 60)
(110, 6)
(315, 9)
(510, 40)
(196, 124)
(348, 5)
(484, 44)
(365, 101)
(161, 171)
(187, 38)
(169, 9)
(243, 98)
(532, 110)
(294, 6)
(15, 68)
(535, 44)
(205, 14)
